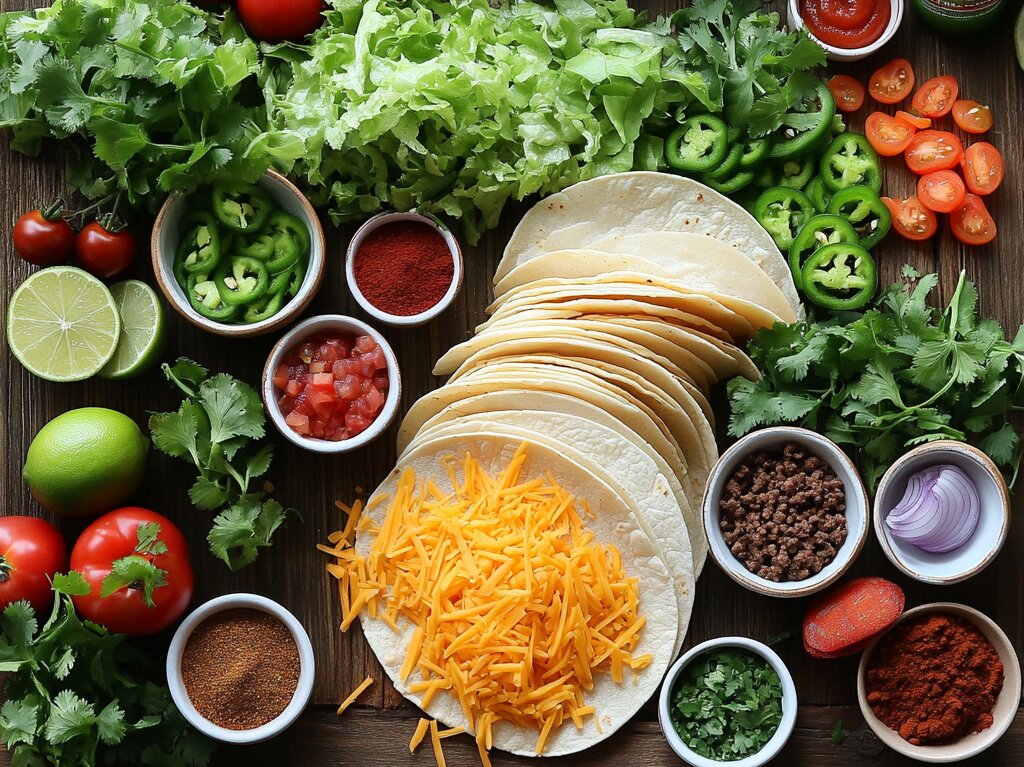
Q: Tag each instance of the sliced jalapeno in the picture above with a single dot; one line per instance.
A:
(819, 231)
(200, 248)
(841, 276)
(204, 297)
(241, 207)
(797, 172)
(298, 276)
(729, 165)
(733, 183)
(281, 224)
(241, 280)
(850, 160)
(782, 211)
(802, 131)
(818, 194)
(264, 308)
(261, 246)
(699, 144)
(864, 209)
(755, 151)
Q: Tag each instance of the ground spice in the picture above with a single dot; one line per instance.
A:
(241, 668)
(934, 679)
(404, 268)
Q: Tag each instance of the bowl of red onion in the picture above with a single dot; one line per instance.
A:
(942, 512)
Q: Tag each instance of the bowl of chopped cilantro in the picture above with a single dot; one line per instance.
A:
(729, 700)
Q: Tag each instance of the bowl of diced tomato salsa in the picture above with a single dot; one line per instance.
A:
(331, 384)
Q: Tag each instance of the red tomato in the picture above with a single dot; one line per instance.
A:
(972, 223)
(932, 150)
(31, 551)
(918, 122)
(972, 116)
(848, 93)
(943, 191)
(103, 253)
(892, 82)
(276, 20)
(935, 98)
(43, 238)
(983, 168)
(121, 536)
(911, 219)
(887, 135)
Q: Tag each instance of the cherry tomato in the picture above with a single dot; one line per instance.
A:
(921, 123)
(972, 223)
(935, 98)
(932, 150)
(943, 191)
(127, 535)
(892, 82)
(983, 168)
(31, 551)
(887, 135)
(44, 238)
(277, 20)
(911, 219)
(103, 253)
(848, 93)
(972, 116)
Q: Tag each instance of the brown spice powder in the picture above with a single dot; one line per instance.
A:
(241, 668)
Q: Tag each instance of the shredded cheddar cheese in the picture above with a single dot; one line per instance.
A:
(435, 740)
(418, 735)
(355, 694)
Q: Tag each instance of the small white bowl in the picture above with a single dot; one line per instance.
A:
(789, 704)
(398, 320)
(164, 245)
(340, 324)
(850, 54)
(856, 509)
(1002, 715)
(993, 522)
(177, 686)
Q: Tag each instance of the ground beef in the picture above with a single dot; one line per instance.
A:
(783, 513)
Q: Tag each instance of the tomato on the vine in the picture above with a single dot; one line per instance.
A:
(43, 237)
(104, 252)
(274, 21)
(892, 82)
(911, 219)
(972, 224)
(31, 551)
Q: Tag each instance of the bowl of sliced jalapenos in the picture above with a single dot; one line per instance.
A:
(239, 259)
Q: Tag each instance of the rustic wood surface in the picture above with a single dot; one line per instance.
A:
(376, 730)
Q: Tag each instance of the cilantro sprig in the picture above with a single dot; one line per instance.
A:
(138, 569)
(219, 428)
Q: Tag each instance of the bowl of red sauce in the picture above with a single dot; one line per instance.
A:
(331, 384)
(848, 30)
(403, 269)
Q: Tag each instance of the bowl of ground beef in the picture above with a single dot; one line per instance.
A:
(785, 512)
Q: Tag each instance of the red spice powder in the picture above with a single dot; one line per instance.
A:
(404, 268)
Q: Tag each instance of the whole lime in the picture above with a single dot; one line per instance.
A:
(86, 461)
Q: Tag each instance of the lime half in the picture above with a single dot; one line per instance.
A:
(142, 330)
(62, 324)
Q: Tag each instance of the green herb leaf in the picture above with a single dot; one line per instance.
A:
(838, 733)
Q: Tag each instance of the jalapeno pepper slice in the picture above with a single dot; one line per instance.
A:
(782, 211)
(241, 280)
(850, 160)
(729, 165)
(200, 248)
(755, 151)
(241, 207)
(733, 184)
(264, 308)
(840, 276)
(698, 144)
(204, 297)
(797, 172)
(802, 131)
(818, 194)
(261, 246)
(819, 231)
(864, 209)
(298, 276)
(282, 224)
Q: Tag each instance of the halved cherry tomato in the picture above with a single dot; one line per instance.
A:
(892, 82)
(921, 123)
(848, 93)
(888, 135)
(932, 150)
(935, 98)
(972, 223)
(943, 191)
(911, 219)
(983, 168)
(972, 116)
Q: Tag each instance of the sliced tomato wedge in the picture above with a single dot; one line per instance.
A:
(943, 191)
(848, 93)
(911, 219)
(972, 223)
(936, 97)
(892, 82)
(932, 150)
(921, 123)
(972, 116)
(983, 168)
(887, 135)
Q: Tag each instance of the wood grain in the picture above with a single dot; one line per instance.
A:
(292, 572)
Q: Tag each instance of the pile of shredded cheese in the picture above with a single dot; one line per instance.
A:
(516, 607)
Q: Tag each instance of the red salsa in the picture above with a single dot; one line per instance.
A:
(846, 23)
(332, 386)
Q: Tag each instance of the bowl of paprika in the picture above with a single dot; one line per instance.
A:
(403, 269)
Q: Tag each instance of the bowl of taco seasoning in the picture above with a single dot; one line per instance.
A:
(403, 269)
(941, 685)
(240, 668)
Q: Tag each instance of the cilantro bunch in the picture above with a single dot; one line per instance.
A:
(898, 375)
(219, 428)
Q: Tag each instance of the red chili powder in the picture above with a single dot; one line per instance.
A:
(404, 268)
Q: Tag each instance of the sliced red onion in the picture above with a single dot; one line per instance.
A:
(939, 511)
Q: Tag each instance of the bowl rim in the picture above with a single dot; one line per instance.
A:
(790, 703)
(895, 471)
(399, 320)
(986, 738)
(310, 286)
(796, 21)
(303, 690)
(734, 568)
(293, 336)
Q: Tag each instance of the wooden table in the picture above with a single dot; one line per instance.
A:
(376, 731)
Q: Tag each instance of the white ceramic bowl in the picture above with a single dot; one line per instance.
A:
(789, 704)
(411, 320)
(177, 687)
(340, 324)
(850, 54)
(1006, 704)
(164, 244)
(856, 509)
(993, 522)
